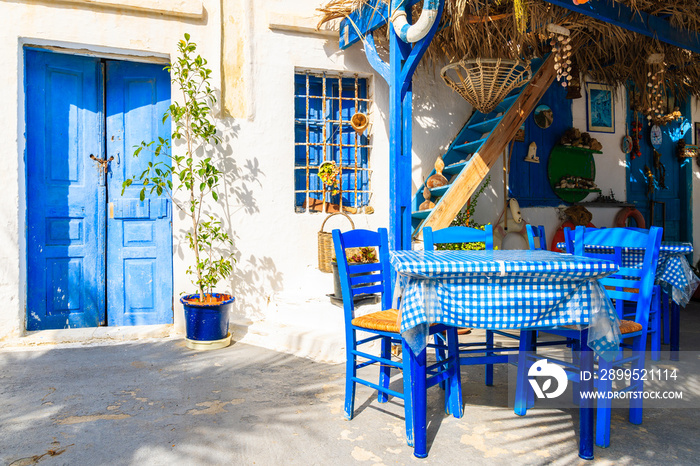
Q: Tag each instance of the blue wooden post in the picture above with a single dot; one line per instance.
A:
(586, 408)
(400, 149)
(403, 62)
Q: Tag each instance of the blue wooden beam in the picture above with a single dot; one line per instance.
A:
(379, 65)
(635, 21)
(360, 23)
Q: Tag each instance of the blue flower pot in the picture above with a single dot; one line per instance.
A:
(207, 323)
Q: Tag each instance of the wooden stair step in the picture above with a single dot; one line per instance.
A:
(454, 168)
(486, 125)
(437, 192)
(421, 213)
(470, 147)
(508, 101)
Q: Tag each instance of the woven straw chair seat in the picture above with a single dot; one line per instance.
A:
(626, 326)
(385, 321)
(629, 326)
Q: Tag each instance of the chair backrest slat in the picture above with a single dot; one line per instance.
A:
(364, 268)
(365, 278)
(536, 238)
(367, 290)
(623, 295)
(620, 282)
(457, 235)
(356, 279)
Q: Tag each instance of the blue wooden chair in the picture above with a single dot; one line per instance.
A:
(481, 352)
(384, 326)
(628, 287)
(536, 238)
(655, 328)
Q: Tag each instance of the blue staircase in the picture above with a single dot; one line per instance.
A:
(483, 137)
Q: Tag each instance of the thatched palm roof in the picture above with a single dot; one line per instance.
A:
(517, 29)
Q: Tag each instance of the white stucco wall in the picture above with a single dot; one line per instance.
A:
(276, 249)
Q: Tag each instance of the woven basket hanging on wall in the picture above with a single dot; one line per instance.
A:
(325, 245)
(485, 82)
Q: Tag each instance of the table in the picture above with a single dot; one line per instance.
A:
(502, 290)
(673, 274)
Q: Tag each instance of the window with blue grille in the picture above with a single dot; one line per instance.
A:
(324, 107)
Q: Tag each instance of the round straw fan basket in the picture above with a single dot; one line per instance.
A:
(485, 82)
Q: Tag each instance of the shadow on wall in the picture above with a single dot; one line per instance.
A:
(255, 278)
(438, 114)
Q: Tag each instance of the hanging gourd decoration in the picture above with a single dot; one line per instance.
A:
(437, 180)
(560, 40)
(574, 90)
(636, 136)
(428, 204)
(359, 122)
(656, 87)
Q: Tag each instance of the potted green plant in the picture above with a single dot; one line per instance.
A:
(190, 179)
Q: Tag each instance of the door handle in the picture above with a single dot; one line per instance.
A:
(103, 162)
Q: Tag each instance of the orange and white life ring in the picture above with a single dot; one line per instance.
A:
(516, 224)
(627, 212)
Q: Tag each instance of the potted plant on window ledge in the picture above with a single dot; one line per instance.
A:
(197, 178)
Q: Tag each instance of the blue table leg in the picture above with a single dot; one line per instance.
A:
(665, 315)
(675, 331)
(586, 414)
(419, 400)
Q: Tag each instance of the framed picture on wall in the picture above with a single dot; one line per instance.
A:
(600, 104)
(697, 134)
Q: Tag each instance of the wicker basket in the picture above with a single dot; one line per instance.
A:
(485, 82)
(325, 245)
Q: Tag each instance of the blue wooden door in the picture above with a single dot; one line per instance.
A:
(528, 181)
(65, 191)
(94, 257)
(670, 197)
(139, 234)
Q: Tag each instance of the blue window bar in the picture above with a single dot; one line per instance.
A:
(324, 104)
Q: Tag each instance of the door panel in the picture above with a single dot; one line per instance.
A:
(139, 234)
(65, 202)
(665, 203)
(528, 182)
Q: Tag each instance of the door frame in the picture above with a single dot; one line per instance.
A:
(68, 48)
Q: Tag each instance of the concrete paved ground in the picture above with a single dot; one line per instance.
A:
(158, 402)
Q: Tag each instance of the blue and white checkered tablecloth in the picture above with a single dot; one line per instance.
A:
(504, 290)
(673, 272)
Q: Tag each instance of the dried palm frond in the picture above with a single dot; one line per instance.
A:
(516, 29)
